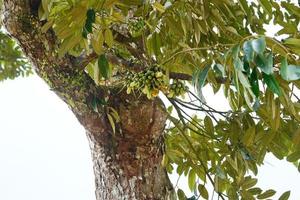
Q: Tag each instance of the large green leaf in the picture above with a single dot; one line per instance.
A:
(259, 45)
(289, 72)
(265, 63)
(272, 83)
(248, 50)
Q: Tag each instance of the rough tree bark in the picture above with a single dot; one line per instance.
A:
(126, 164)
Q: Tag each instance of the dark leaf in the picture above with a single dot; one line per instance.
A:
(103, 66)
(272, 83)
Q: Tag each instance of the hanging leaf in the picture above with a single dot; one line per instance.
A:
(91, 16)
(265, 63)
(238, 64)
(254, 82)
(109, 39)
(249, 136)
(103, 66)
(272, 83)
(243, 79)
(97, 43)
(289, 72)
(248, 50)
(203, 191)
(181, 195)
(259, 45)
(90, 20)
(112, 123)
(209, 126)
(266, 194)
(199, 78)
(192, 180)
(285, 196)
(267, 6)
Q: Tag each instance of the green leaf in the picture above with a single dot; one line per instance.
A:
(199, 78)
(292, 41)
(203, 191)
(248, 50)
(254, 82)
(91, 16)
(159, 7)
(246, 64)
(293, 72)
(265, 63)
(272, 83)
(285, 196)
(249, 182)
(293, 157)
(235, 51)
(181, 195)
(238, 64)
(112, 122)
(108, 36)
(249, 136)
(209, 127)
(243, 79)
(289, 72)
(245, 7)
(219, 70)
(267, 6)
(259, 45)
(192, 180)
(255, 191)
(103, 66)
(266, 194)
(97, 43)
(220, 173)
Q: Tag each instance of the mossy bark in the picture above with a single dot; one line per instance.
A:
(127, 162)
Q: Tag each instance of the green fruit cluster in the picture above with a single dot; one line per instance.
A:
(177, 88)
(136, 26)
(153, 80)
(149, 81)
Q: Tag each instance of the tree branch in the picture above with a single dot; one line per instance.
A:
(116, 60)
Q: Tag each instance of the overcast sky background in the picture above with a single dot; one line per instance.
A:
(44, 154)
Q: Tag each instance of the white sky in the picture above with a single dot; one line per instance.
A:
(44, 154)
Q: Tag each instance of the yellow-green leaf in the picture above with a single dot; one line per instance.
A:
(285, 196)
(112, 123)
(266, 194)
(159, 7)
(293, 157)
(109, 38)
(203, 191)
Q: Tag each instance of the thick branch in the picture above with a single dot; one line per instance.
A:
(116, 60)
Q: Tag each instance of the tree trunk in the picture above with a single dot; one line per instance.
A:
(127, 163)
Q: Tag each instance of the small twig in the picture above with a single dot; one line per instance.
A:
(193, 49)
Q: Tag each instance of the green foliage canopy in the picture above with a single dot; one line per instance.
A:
(162, 45)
